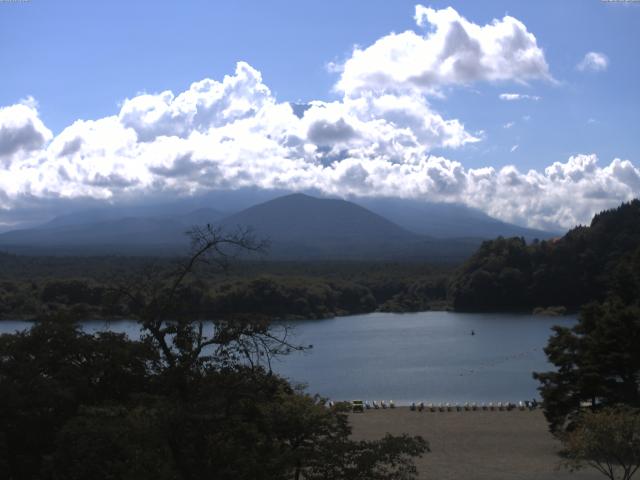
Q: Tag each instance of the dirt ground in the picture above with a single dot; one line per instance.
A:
(475, 445)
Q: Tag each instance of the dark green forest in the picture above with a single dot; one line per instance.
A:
(597, 361)
(76, 406)
(582, 266)
(36, 287)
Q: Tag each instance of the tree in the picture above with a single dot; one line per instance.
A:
(195, 399)
(570, 271)
(388, 458)
(608, 440)
(172, 316)
(107, 442)
(317, 439)
(48, 373)
(597, 361)
(232, 418)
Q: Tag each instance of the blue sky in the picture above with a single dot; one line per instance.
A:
(81, 60)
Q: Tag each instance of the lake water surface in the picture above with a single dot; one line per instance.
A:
(428, 356)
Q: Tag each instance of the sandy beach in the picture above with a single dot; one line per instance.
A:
(475, 445)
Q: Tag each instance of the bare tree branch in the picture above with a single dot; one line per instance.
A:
(180, 335)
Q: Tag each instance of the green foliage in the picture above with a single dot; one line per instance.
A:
(418, 296)
(78, 406)
(191, 400)
(389, 457)
(46, 374)
(591, 399)
(277, 289)
(583, 266)
(608, 440)
(291, 297)
(114, 442)
(597, 361)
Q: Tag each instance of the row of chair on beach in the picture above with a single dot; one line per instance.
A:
(379, 405)
(360, 406)
(490, 406)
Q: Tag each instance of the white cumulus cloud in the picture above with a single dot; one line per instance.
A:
(594, 62)
(369, 146)
(378, 140)
(454, 51)
(21, 131)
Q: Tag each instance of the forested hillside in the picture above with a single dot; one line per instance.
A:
(37, 287)
(582, 266)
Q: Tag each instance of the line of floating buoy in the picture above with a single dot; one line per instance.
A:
(498, 361)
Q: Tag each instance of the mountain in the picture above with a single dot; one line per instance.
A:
(298, 226)
(447, 220)
(101, 232)
(301, 227)
(299, 217)
(91, 210)
(172, 212)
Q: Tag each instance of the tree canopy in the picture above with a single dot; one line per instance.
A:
(592, 398)
(608, 441)
(597, 363)
(581, 267)
(192, 399)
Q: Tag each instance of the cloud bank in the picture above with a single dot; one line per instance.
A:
(376, 141)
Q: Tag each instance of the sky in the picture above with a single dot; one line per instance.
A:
(525, 110)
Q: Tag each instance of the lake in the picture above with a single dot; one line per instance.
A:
(429, 356)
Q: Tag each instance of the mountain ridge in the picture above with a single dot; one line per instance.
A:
(299, 226)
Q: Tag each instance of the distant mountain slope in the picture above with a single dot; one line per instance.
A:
(159, 212)
(97, 232)
(447, 220)
(300, 226)
(299, 217)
